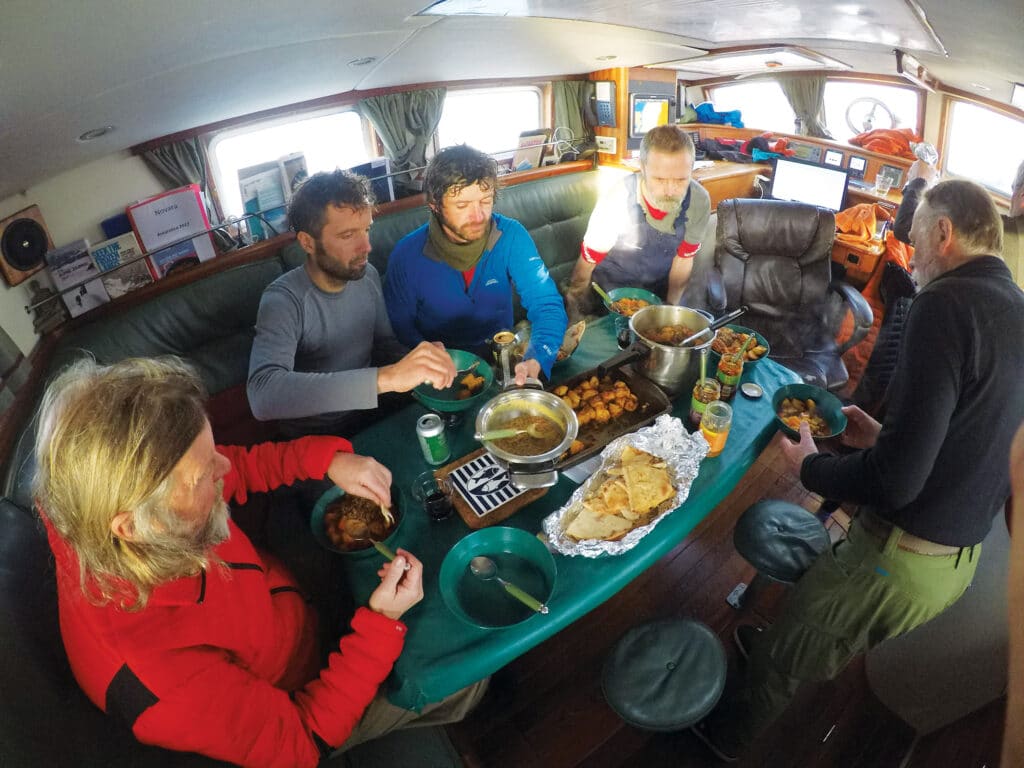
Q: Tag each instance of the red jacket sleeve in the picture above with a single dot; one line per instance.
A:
(268, 466)
(221, 710)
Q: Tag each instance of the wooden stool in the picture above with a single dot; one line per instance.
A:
(780, 539)
(665, 675)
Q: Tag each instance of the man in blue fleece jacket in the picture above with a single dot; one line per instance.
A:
(452, 279)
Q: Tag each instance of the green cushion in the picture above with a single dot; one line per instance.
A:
(665, 675)
(780, 539)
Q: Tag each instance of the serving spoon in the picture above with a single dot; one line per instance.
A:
(485, 569)
(608, 300)
(357, 530)
(536, 431)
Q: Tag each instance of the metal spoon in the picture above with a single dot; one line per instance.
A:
(357, 530)
(484, 568)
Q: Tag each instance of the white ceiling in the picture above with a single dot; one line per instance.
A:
(154, 67)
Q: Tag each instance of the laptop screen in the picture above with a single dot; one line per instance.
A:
(809, 183)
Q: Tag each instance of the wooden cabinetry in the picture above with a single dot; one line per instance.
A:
(860, 260)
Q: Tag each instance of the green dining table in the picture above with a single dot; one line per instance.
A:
(442, 653)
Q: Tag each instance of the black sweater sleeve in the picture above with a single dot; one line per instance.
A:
(905, 215)
(922, 398)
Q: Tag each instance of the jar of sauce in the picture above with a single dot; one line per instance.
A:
(705, 391)
(730, 369)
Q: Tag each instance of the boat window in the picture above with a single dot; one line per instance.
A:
(971, 133)
(489, 119)
(762, 104)
(328, 141)
(856, 106)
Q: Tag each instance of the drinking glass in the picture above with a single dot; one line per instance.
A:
(434, 494)
(715, 424)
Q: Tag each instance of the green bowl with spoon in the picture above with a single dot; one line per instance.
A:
(519, 558)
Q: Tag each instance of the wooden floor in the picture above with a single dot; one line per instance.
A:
(545, 710)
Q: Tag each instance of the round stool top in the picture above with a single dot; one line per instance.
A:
(665, 675)
(779, 538)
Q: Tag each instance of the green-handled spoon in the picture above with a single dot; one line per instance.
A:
(608, 301)
(484, 568)
(357, 530)
(536, 431)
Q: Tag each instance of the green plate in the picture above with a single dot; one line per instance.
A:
(316, 524)
(714, 357)
(521, 559)
(633, 293)
(445, 401)
(828, 406)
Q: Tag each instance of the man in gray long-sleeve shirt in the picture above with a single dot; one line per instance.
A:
(930, 480)
(324, 346)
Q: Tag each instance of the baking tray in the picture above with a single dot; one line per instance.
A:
(653, 403)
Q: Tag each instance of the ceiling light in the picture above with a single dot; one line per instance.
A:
(607, 57)
(95, 133)
(980, 87)
(363, 61)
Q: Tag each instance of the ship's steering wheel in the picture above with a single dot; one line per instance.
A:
(861, 114)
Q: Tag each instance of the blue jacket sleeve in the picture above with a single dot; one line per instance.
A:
(538, 294)
(400, 292)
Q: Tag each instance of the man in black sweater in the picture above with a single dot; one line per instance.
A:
(930, 479)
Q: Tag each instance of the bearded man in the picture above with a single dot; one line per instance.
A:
(324, 347)
(646, 231)
(173, 622)
(453, 278)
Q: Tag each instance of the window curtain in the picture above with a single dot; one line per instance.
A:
(180, 163)
(571, 99)
(806, 96)
(406, 123)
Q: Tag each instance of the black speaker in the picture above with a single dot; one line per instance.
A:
(24, 242)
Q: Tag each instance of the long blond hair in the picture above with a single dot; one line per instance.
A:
(107, 440)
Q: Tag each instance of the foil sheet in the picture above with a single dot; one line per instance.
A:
(667, 439)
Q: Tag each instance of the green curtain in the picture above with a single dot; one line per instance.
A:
(180, 163)
(406, 123)
(571, 97)
(806, 94)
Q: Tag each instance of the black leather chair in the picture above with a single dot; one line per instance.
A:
(776, 257)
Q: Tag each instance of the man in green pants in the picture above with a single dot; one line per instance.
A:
(929, 480)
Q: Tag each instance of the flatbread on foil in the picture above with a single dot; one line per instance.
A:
(642, 477)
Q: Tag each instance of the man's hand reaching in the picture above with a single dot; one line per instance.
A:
(427, 364)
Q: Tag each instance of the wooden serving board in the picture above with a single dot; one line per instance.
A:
(479, 479)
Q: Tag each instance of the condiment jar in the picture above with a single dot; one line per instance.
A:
(730, 370)
(705, 391)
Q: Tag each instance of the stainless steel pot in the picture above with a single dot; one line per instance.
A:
(674, 369)
(528, 471)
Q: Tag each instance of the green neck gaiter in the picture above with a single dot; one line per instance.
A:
(458, 256)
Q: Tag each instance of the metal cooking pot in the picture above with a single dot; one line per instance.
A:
(674, 369)
(528, 471)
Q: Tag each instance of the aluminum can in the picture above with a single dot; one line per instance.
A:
(433, 440)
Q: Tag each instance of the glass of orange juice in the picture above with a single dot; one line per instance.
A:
(715, 424)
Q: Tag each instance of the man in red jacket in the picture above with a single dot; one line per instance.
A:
(172, 620)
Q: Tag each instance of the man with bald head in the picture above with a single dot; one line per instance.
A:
(929, 480)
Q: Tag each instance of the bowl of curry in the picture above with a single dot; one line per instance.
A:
(336, 511)
(822, 411)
